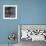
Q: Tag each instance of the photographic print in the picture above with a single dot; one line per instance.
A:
(30, 34)
(9, 11)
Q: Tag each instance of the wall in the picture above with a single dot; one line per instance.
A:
(34, 12)
(7, 26)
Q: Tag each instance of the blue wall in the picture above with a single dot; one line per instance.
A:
(33, 12)
(7, 26)
(28, 12)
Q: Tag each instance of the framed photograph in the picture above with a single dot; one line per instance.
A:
(31, 32)
(9, 11)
